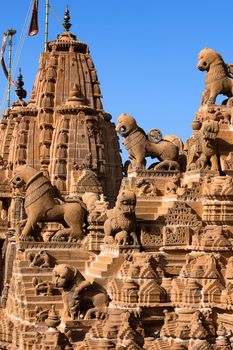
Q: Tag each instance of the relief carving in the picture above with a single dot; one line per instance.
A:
(41, 259)
(42, 287)
(81, 298)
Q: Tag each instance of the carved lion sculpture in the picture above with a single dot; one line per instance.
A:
(80, 296)
(218, 79)
(41, 205)
(202, 151)
(121, 220)
(139, 146)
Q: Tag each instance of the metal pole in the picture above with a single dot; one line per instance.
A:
(9, 33)
(46, 24)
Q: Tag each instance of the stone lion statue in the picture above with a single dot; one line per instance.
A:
(139, 146)
(120, 226)
(41, 206)
(218, 78)
(202, 150)
(80, 296)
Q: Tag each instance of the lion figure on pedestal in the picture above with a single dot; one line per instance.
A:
(139, 145)
(120, 226)
(218, 77)
(41, 206)
(202, 150)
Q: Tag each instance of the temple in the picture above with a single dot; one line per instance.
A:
(97, 255)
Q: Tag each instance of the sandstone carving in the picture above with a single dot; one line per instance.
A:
(96, 255)
(146, 188)
(79, 295)
(229, 269)
(41, 206)
(218, 186)
(211, 236)
(218, 78)
(42, 287)
(41, 259)
(120, 223)
(40, 314)
(139, 146)
(202, 152)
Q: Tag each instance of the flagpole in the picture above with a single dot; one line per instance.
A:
(9, 33)
(46, 24)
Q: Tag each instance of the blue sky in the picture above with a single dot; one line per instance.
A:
(145, 52)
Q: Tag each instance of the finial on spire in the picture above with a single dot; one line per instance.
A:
(20, 92)
(67, 25)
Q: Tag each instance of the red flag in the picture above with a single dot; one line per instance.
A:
(34, 29)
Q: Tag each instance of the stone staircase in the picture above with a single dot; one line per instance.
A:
(104, 265)
(147, 209)
(151, 209)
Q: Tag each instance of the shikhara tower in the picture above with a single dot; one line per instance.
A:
(64, 128)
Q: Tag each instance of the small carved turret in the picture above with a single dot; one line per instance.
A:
(76, 97)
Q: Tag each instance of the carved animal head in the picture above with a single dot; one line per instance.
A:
(16, 181)
(126, 201)
(63, 275)
(21, 175)
(207, 57)
(125, 124)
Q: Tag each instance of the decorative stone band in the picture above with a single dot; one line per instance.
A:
(133, 139)
(43, 185)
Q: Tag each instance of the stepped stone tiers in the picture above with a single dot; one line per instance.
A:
(92, 262)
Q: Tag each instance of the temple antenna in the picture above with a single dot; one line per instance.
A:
(46, 24)
(9, 33)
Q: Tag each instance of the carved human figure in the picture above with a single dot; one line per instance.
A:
(121, 220)
(79, 295)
